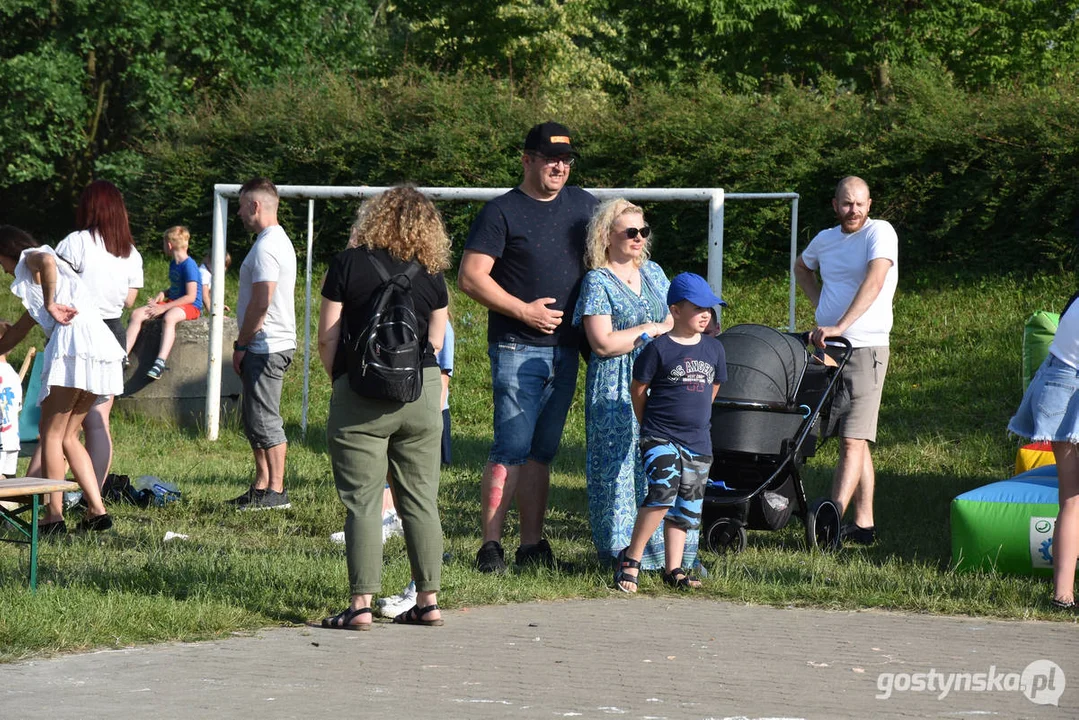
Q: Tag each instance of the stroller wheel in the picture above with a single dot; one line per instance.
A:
(822, 525)
(725, 535)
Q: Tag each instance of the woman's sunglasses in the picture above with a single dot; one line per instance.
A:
(631, 232)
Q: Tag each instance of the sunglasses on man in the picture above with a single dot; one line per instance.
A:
(568, 160)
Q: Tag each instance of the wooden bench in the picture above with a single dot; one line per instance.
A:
(25, 491)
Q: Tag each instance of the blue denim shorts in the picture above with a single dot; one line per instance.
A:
(533, 388)
(1049, 411)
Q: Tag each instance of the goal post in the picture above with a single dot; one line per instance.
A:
(715, 197)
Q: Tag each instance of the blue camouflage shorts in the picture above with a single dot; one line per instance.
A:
(676, 479)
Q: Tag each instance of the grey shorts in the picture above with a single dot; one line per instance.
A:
(863, 380)
(260, 402)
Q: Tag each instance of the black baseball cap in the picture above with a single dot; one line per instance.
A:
(550, 139)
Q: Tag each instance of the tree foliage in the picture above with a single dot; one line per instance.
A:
(88, 84)
(86, 78)
(974, 181)
(751, 43)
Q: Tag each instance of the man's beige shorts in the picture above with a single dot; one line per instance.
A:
(863, 380)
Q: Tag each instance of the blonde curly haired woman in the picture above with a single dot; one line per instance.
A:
(367, 436)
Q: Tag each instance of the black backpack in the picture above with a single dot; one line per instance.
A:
(384, 360)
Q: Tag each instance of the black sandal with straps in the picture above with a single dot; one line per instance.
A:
(414, 616)
(343, 620)
(680, 579)
(623, 563)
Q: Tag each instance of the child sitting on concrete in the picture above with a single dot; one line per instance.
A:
(675, 379)
(182, 300)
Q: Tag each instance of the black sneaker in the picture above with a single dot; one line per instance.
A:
(539, 554)
(856, 535)
(267, 500)
(491, 558)
(241, 502)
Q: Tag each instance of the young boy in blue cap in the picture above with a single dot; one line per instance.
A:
(675, 379)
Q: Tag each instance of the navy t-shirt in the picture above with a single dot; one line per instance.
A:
(539, 252)
(680, 380)
(180, 274)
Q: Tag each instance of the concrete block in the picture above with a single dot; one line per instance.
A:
(180, 393)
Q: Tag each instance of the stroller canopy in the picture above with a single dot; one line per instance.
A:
(763, 365)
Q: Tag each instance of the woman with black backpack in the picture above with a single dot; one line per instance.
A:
(382, 320)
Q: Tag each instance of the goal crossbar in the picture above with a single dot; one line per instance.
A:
(715, 197)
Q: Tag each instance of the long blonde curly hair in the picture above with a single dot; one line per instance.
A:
(599, 233)
(406, 224)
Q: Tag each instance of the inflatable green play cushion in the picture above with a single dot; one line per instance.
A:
(1008, 525)
(1037, 337)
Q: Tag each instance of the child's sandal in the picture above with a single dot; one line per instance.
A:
(680, 579)
(623, 563)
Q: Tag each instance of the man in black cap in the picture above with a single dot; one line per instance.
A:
(524, 260)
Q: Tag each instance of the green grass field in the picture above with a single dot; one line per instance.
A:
(953, 383)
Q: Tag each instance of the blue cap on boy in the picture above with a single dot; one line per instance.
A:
(692, 287)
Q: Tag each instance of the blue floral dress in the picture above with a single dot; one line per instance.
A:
(614, 473)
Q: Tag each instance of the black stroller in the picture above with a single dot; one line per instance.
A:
(766, 420)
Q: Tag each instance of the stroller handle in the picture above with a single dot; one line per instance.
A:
(737, 404)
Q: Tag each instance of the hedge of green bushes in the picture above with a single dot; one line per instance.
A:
(973, 182)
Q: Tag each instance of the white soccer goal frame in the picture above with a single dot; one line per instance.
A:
(715, 197)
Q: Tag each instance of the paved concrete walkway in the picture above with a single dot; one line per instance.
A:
(641, 657)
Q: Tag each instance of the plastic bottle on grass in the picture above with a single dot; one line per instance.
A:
(155, 490)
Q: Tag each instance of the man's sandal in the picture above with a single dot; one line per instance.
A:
(343, 620)
(414, 616)
(680, 579)
(623, 563)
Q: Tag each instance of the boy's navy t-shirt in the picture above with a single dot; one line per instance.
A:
(538, 249)
(180, 274)
(680, 380)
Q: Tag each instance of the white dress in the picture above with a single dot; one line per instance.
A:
(83, 354)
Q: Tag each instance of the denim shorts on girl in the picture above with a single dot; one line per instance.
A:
(1049, 411)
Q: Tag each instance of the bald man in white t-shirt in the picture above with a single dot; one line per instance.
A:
(858, 261)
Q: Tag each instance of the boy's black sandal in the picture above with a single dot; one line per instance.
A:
(679, 578)
(623, 563)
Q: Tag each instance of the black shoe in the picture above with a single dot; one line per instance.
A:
(491, 558)
(52, 530)
(851, 533)
(538, 554)
(267, 500)
(241, 502)
(99, 523)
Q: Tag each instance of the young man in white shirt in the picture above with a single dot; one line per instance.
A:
(265, 342)
(858, 262)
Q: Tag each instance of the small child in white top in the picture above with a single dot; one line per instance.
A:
(10, 405)
(207, 278)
